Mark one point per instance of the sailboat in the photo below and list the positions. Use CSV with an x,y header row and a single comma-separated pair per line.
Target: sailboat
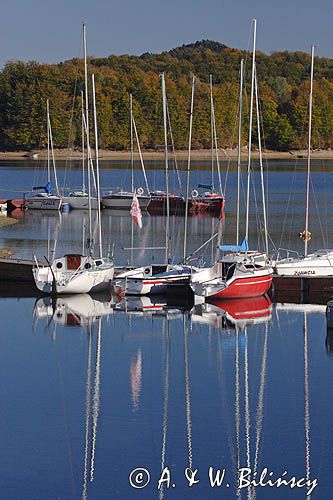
x,y
240,273
45,199
205,199
155,278
76,273
121,199
312,265
81,199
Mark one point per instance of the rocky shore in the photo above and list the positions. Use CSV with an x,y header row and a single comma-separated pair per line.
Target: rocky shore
x,y
196,155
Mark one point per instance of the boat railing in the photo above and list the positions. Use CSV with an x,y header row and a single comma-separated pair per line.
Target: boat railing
x,y
285,253
36,265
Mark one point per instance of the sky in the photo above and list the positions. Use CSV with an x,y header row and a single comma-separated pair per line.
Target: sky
x,y
50,31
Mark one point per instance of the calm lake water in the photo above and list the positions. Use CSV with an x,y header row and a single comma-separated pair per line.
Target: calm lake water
x,y
93,388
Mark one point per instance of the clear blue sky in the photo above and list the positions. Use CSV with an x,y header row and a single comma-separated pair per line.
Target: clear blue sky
x,y
49,31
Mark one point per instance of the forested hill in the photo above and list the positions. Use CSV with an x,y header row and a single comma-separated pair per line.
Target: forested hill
x,y
283,79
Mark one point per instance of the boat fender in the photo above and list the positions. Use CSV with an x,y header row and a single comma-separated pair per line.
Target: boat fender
x,y
305,236
139,190
194,193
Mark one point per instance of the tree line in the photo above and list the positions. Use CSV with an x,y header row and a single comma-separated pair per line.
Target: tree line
x,y
283,81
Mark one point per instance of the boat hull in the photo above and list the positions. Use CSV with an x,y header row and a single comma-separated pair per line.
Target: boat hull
x,y
53,203
142,281
313,266
177,205
83,280
80,202
241,288
124,202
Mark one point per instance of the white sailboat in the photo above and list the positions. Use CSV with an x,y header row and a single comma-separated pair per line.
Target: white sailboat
x,y
312,265
240,273
45,199
75,273
81,199
121,199
155,278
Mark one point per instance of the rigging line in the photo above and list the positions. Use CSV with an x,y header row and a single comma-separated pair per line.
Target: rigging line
x,y
286,218
187,396
140,154
52,156
325,243
71,135
165,401
257,214
96,401
174,151
231,144
88,408
214,139
264,203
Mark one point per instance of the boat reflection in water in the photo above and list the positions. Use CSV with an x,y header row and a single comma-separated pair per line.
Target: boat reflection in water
x,y
149,306
232,312
73,310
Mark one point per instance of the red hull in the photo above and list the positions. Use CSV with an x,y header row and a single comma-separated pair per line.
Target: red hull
x,y
251,308
246,287
177,205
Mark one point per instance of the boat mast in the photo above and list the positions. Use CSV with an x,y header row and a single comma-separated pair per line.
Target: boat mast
x,y
48,142
83,142
140,155
250,131
309,159
167,228
216,148
239,146
52,150
132,145
97,171
87,131
211,127
188,169
261,166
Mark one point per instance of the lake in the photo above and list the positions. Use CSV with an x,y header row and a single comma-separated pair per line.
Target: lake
x,y
93,388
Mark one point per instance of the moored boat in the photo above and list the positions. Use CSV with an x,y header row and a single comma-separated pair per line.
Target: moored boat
x,y
80,200
152,279
231,280
122,200
73,273
312,265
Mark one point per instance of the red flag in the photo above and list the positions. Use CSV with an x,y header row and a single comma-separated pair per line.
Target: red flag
x,y
136,210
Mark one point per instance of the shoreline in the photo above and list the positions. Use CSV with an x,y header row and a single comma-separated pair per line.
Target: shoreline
x,y
196,155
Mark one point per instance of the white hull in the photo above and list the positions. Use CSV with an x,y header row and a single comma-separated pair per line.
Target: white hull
x,y
142,281
123,201
318,265
43,203
80,202
83,279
